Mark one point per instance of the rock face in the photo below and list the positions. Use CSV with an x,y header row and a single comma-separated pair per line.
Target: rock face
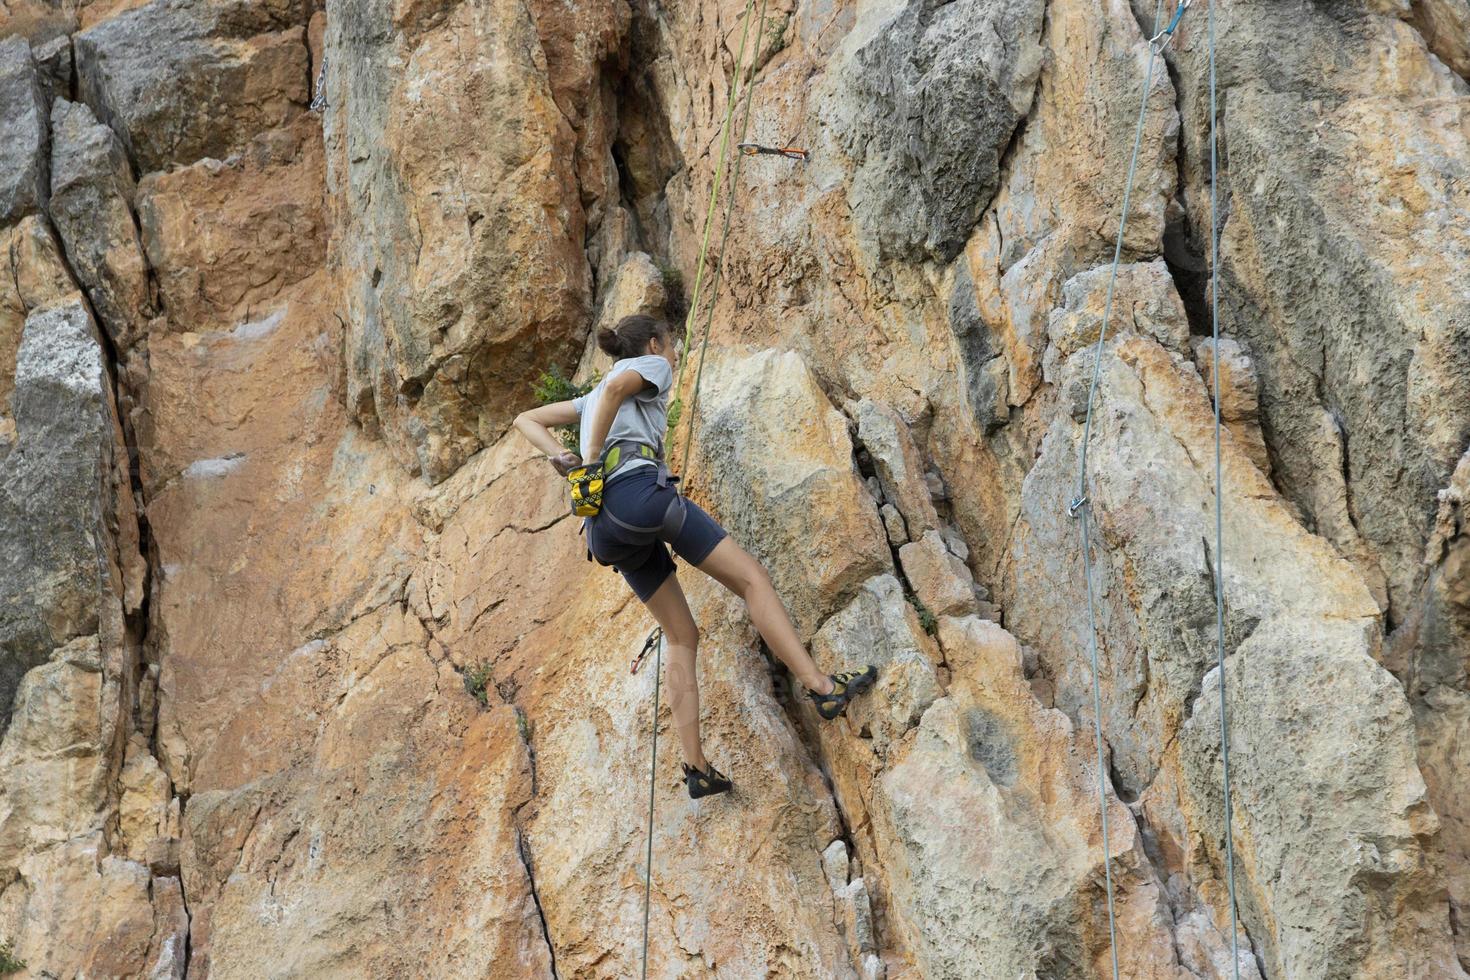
x,y
91,190
460,242
303,671
929,94
179,80
23,159
49,499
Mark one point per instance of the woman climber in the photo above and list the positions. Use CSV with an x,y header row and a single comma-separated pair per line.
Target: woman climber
x,y
623,421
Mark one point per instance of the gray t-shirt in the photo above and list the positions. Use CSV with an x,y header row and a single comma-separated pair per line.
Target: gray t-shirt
x,y
642,417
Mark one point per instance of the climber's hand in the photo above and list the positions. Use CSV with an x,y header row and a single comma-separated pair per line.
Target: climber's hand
x,y
565,463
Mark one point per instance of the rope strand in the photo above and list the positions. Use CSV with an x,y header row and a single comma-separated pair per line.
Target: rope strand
x,y
688,322
652,785
714,190
1219,506
719,274
1079,505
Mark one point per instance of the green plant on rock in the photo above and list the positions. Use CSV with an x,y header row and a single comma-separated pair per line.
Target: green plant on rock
x,y
550,387
927,619
776,38
9,962
676,302
673,281
476,679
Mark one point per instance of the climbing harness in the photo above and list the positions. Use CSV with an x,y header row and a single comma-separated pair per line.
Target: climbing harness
x,y
755,149
587,484
688,325
1078,507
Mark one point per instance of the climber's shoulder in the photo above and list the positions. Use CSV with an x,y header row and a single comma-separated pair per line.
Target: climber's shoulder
x,y
649,375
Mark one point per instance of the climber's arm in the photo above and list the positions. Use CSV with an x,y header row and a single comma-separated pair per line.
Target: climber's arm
x,y
619,389
535,426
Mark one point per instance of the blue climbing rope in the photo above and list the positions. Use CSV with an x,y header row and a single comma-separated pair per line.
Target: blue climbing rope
x,y
1078,507
1219,506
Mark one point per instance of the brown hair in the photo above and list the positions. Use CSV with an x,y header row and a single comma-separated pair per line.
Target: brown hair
x,y
631,335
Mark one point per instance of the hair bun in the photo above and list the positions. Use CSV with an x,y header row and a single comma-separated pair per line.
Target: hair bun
x,y
630,336
607,339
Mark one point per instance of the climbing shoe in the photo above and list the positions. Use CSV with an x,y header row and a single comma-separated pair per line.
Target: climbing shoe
x,y
845,686
705,783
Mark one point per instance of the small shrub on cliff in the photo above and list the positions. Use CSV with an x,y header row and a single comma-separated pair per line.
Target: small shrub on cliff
x,y
8,961
675,302
476,677
927,619
776,38
552,386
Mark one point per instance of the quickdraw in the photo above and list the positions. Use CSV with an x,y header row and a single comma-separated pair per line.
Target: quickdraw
x,y
790,152
1167,34
648,646
319,100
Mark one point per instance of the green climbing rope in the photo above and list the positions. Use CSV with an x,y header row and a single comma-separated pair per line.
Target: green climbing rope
x,y
719,273
688,322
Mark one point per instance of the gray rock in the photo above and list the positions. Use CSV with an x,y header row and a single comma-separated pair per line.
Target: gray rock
x,y
1384,345
893,524
940,580
1431,655
53,61
899,465
855,915
928,95
834,865
91,187
1445,25
986,370
1017,890
184,79
1144,302
800,505
934,481
51,493
1315,718
22,132
1240,402
955,542
1328,138
462,239
879,627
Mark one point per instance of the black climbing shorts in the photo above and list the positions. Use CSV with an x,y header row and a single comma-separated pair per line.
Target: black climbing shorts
x,y
636,498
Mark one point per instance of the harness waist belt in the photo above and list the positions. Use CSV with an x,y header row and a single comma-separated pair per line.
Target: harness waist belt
x,y
624,451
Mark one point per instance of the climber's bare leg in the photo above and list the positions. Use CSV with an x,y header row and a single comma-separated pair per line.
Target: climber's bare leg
x,y
734,568
681,642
